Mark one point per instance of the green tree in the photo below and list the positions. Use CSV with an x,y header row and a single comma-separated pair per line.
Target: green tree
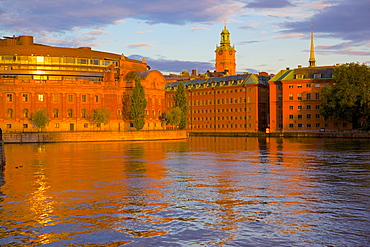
x,y
138,105
173,116
181,102
40,118
349,98
101,116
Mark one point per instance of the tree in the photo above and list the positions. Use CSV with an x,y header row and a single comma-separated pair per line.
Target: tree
x,y
181,102
40,118
138,105
173,117
101,116
349,98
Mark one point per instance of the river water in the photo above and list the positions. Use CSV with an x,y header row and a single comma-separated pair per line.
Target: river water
x,y
203,191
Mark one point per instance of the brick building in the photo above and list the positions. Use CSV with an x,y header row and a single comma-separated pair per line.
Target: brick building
x,y
71,83
229,103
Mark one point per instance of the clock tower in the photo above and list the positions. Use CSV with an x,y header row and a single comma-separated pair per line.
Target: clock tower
x,y
225,54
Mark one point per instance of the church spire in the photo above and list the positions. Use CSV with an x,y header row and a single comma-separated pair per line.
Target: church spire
x,y
312,59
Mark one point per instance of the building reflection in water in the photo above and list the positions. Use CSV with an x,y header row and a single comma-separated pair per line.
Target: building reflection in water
x,y
213,188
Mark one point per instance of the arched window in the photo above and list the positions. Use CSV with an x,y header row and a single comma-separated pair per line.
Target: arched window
x,y
84,113
9,113
55,113
70,113
25,113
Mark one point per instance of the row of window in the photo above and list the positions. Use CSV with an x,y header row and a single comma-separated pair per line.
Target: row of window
x,y
221,118
41,97
56,125
308,107
299,96
54,60
221,126
317,125
55,114
300,116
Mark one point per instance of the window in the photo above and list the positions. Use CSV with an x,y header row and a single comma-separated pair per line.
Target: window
x,y
317,85
299,107
291,116
300,76
25,97
317,95
290,96
40,97
317,107
55,97
308,116
290,86
317,115
55,113
299,86
308,125
70,113
299,96
9,113
300,125
25,126
291,125
9,97
317,76
86,125
83,113
317,125
70,98
9,126
25,113
308,96
299,116
291,107
308,107
96,98
57,125
308,85
84,98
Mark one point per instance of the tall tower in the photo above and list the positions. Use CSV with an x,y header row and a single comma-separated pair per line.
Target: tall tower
x,y
312,59
225,54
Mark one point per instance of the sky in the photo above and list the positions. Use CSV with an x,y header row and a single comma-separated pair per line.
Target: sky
x,y
177,35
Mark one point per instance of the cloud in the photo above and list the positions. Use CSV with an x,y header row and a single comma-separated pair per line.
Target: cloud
x,y
175,66
345,20
145,31
36,16
198,28
269,4
95,32
139,45
345,48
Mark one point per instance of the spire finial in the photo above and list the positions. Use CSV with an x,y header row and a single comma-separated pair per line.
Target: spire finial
x,y
312,60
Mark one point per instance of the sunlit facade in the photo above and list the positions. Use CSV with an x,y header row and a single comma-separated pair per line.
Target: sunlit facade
x,y
225,104
71,83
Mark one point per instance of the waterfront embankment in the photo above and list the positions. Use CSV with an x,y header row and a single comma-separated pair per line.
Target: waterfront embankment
x,y
331,134
2,152
49,137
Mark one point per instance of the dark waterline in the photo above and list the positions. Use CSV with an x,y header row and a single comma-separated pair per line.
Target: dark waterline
x,y
205,191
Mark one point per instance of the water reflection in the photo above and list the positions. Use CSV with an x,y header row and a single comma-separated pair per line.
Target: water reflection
x,y
203,191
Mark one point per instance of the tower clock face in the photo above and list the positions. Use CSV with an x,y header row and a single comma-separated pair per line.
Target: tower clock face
x,y
220,52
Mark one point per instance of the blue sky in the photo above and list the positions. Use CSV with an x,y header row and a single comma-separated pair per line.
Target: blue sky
x,y
268,35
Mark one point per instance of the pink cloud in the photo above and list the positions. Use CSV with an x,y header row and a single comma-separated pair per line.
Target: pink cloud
x,y
140,45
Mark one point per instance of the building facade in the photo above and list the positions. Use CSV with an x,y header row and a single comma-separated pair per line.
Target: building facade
x,y
295,98
225,104
70,83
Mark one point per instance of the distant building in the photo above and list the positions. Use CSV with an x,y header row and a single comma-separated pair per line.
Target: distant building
x,y
295,98
71,83
225,104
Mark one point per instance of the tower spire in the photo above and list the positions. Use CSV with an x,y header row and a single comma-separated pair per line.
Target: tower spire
x,y
312,60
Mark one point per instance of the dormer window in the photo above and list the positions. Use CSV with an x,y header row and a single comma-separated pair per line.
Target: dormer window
x,y
316,75
300,76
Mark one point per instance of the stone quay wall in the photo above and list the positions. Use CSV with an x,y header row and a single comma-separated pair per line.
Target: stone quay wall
x,y
2,152
49,137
